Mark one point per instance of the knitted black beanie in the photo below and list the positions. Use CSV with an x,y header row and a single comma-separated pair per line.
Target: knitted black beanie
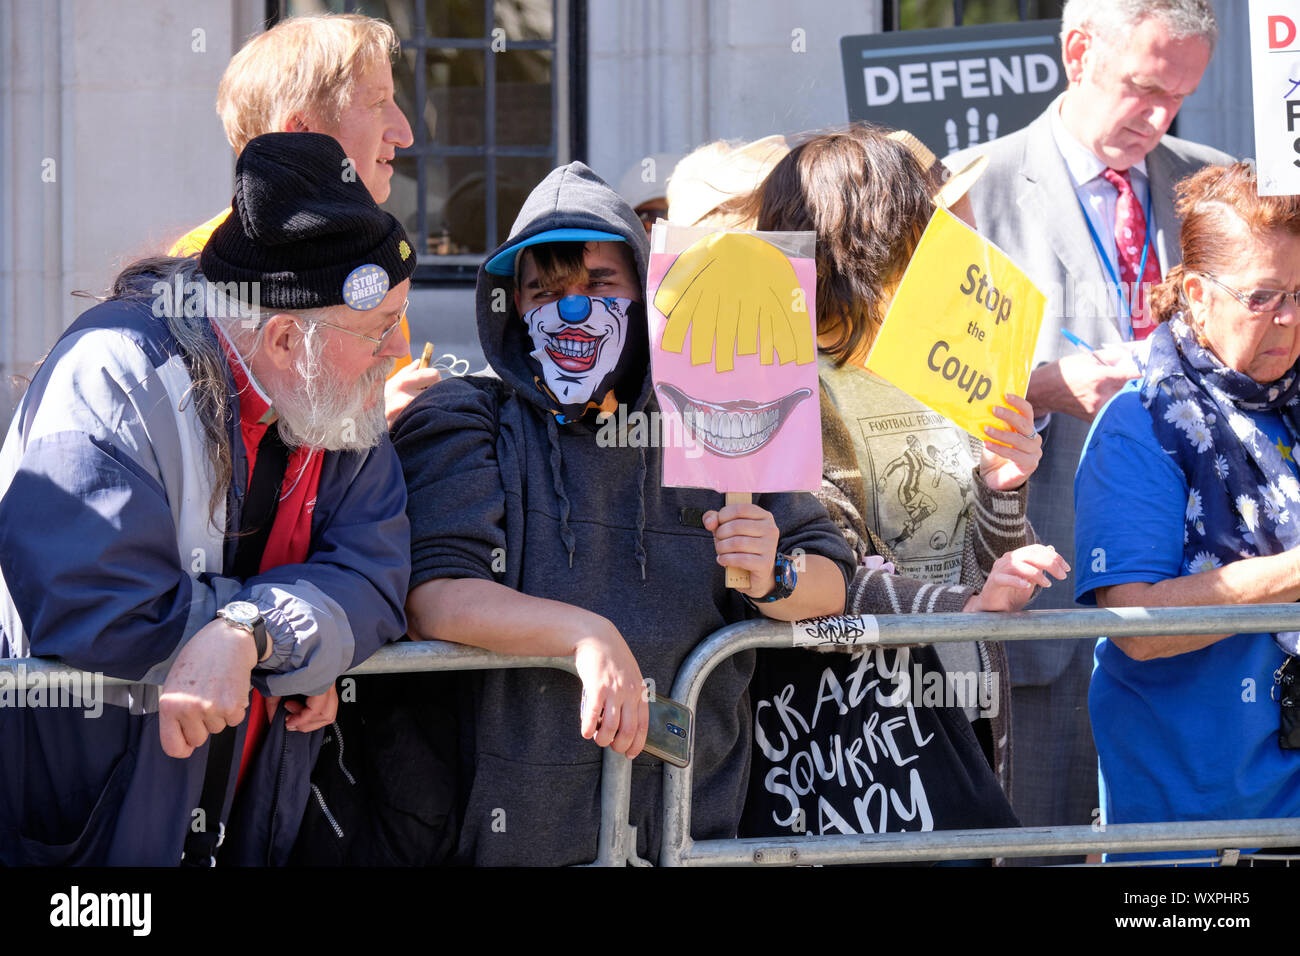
x,y
301,223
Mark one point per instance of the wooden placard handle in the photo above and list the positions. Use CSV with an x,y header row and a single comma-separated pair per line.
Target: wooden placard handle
x,y
738,578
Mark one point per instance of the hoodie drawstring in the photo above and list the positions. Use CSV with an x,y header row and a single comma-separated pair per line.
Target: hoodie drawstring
x,y
640,516
557,479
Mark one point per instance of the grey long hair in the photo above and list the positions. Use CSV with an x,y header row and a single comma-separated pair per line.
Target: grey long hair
x,y
179,295
199,350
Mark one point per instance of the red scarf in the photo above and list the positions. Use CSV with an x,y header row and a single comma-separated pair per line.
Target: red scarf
x,y
290,536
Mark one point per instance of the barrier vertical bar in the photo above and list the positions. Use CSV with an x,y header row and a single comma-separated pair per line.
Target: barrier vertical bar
x,y
616,845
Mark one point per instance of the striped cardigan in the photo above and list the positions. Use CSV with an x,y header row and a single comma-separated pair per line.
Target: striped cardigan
x,y
998,524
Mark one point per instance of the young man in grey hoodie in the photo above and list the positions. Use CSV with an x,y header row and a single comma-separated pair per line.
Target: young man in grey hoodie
x,y
530,536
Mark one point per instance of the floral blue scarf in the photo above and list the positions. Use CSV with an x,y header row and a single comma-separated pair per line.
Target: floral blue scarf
x,y
1243,496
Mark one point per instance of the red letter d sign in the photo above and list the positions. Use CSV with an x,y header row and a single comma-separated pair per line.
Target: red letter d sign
x,y
1281,32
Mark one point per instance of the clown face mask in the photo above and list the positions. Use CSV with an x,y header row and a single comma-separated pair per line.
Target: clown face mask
x,y
580,347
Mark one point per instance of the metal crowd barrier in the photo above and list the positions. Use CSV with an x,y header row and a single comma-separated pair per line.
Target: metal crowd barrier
x,y
679,849
617,839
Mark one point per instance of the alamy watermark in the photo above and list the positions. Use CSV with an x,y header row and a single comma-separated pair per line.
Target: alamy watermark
x,y
77,908
194,298
891,674
42,689
652,429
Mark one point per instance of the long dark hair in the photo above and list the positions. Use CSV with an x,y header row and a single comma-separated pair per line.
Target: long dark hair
x,y
868,200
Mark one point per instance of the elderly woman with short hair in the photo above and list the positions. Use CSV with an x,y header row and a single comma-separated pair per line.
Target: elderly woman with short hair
x,y
1187,494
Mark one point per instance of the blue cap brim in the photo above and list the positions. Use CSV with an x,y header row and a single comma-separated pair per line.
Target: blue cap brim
x,y
503,263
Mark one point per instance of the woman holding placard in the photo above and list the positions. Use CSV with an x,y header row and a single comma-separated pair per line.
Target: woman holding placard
x,y
903,483
1206,438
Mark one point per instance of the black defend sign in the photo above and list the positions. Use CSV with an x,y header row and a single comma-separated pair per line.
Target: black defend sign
x,y
955,87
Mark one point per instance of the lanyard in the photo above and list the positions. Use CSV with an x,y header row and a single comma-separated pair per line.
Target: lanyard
x,y
1125,310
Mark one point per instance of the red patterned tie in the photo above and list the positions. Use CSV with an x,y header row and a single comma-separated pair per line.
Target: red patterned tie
x,y
1130,238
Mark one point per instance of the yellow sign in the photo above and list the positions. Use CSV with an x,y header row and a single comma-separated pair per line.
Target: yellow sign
x,y
960,332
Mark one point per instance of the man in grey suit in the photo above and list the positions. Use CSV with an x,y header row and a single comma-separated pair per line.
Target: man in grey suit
x,y
1050,198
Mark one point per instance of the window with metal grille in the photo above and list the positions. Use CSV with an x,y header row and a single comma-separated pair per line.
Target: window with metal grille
x,y
493,90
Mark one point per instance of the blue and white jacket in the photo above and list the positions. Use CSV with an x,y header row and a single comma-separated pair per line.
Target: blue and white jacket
x,y
109,563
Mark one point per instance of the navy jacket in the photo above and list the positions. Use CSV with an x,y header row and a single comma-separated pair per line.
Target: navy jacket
x,y
110,561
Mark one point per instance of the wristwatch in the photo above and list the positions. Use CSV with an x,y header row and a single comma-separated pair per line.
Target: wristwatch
x,y
245,615
786,578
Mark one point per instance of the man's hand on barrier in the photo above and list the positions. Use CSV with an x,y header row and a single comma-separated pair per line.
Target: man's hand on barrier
x,y
207,688
615,708
1011,580
319,711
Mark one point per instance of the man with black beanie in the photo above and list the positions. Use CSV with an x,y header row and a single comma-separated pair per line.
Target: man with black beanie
x,y
198,492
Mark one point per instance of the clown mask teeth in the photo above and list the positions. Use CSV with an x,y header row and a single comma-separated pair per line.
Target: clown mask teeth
x,y
577,342
574,351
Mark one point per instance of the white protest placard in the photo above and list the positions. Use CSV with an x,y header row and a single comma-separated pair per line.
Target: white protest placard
x,y
1275,81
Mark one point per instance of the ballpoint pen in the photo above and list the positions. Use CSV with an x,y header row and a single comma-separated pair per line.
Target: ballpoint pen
x,y
1138,363
1080,343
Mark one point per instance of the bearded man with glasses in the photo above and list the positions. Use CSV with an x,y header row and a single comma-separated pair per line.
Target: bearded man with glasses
x,y
196,499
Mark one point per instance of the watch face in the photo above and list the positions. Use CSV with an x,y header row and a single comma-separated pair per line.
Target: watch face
x,y
788,576
242,612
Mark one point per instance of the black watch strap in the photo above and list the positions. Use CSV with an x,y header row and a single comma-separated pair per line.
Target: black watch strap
x,y
786,579
247,617
260,638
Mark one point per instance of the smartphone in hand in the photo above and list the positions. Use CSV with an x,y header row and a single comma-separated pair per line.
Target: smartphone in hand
x,y
671,734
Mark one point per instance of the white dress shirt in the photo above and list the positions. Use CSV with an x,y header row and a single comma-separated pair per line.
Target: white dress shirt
x,y
1099,199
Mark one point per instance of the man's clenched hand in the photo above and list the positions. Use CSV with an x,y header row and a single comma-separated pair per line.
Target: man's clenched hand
x,y
207,688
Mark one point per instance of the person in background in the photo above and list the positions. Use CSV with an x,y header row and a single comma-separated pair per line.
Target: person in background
x,y
330,74
946,510
1202,727
710,186
1082,200
645,187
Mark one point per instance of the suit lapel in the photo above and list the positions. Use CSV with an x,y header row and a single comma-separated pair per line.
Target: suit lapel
x,y
1047,200
1161,176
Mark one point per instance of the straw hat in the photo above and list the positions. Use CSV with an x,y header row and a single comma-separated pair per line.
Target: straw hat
x,y
956,182
717,172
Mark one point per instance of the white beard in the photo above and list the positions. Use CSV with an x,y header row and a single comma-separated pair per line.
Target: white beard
x,y
321,413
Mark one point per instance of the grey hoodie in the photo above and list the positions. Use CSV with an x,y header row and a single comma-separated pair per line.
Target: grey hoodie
x,y
499,491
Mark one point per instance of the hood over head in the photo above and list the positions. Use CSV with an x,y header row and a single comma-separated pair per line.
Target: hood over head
x,y
571,204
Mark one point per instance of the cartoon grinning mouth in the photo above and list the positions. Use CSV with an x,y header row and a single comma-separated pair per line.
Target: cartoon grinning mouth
x,y
574,351
733,429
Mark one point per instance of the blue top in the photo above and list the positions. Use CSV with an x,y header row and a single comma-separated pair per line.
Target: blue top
x,y
1189,737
